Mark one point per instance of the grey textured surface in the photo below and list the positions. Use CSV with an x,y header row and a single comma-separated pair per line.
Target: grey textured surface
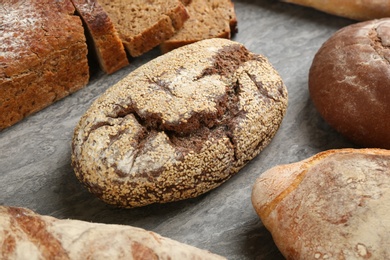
x,y
35,169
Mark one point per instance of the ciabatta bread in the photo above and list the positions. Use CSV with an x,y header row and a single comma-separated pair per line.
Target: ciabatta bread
x,y
354,9
334,205
103,36
143,25
180,125
43,56
27,235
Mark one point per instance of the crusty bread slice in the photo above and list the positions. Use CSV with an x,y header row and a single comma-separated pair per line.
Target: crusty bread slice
x,y
143,25
43,56
107,45
208,19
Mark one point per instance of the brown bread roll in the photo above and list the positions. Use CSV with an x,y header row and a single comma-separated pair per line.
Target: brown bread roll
x,y
179,125
349,82
27,235
333,205
353,9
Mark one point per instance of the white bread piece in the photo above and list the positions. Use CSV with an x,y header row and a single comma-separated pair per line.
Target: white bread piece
x,y
354,9
333,205
27,235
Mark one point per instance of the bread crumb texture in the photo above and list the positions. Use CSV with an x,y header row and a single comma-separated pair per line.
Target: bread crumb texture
x,y
332,206
179,125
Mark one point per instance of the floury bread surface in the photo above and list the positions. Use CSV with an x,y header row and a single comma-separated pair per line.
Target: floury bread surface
x,y
334,205
354,9
43,56
27,235
179,125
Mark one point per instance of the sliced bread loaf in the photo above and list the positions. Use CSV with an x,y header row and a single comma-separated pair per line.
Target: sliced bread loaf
x,y
143,25
103,36
208,19
43,56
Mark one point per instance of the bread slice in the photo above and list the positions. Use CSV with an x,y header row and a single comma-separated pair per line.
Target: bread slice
x,y
43,56
208,19
333,205
103,36
143,25
25,234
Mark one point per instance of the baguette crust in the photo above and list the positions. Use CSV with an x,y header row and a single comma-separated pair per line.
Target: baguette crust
x,y
333,205
27,235
354,9
172,132
108,47
43,56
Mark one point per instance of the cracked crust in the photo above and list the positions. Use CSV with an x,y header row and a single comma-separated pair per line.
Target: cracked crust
x,y
349,82
172,132
25,234
43,56
333,205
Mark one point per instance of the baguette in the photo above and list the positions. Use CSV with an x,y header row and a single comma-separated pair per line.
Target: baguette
x,y
25,234
360,10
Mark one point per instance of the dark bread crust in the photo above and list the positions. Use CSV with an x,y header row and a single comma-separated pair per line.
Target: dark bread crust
x,y
109,49
349,82
43,56
172,132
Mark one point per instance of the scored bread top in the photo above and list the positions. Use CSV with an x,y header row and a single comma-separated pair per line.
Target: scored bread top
x,y
333,205
208,19
171,132
143,25
107,45
43,56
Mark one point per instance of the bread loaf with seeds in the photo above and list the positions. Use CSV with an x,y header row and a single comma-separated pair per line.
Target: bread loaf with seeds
x,y
180,125
25,234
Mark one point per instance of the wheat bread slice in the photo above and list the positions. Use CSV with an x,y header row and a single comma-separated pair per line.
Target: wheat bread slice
x,y
143,25
208,19
104,38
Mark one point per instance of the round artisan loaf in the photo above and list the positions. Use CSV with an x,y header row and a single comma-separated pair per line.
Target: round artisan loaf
x,y
349,82
180,125
333,205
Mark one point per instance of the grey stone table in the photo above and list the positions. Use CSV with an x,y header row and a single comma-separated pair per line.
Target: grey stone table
x,y
35,169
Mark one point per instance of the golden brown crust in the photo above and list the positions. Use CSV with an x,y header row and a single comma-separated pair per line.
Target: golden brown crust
x,y
163,134
45,62
349,79
27,235
333,205
109,49
143,25
354,9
